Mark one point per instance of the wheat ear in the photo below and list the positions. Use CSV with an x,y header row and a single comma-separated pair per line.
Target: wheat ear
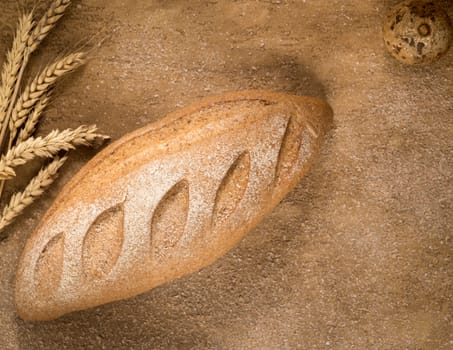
x,y
19,201
48,146
13,64
33,120
30,43
47,22
40,86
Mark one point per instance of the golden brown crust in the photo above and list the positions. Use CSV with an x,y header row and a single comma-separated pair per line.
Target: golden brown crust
x,y
168,199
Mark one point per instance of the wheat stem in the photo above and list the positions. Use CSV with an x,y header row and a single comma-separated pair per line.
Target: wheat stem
x,y
48,146
47,22
19,201
39,87
10,108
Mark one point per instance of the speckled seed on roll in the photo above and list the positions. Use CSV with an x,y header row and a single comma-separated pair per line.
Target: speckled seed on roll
x,y
417,32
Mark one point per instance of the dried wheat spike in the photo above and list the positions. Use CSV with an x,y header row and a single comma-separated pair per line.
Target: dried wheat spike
x,y
13,63
30,125
48,146
47,22
40,86
19,201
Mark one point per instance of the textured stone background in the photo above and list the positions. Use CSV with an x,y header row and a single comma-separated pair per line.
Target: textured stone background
x,y
358,256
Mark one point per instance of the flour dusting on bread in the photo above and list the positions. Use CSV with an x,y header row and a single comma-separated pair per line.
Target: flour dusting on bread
x,y
173,197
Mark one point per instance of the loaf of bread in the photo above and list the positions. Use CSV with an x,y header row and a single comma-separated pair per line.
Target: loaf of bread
x,y
167,200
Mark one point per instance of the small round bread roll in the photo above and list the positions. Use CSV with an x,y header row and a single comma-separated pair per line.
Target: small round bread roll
x,y
417,32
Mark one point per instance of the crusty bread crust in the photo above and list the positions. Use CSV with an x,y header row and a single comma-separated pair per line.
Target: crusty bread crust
x,y
168,199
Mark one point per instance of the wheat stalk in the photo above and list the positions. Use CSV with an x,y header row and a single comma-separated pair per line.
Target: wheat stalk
x,y
47,22
14,60
21,113
40,86
30,125
19,201
48,146
28,42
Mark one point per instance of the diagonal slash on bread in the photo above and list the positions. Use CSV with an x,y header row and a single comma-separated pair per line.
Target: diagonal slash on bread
x,y
168,199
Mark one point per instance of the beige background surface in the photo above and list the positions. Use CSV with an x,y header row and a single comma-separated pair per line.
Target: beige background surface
x,y
358,256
